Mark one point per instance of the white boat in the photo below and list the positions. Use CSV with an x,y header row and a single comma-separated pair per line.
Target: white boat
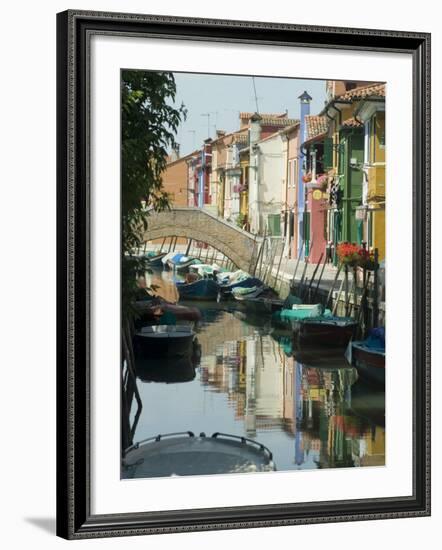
x,y
181,454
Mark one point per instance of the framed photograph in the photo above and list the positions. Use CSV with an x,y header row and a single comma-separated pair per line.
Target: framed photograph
x,y
243,274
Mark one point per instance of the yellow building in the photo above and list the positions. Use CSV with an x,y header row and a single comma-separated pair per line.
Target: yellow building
x,y
354,156
372,112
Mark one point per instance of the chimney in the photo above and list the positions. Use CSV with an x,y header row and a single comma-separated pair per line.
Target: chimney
x,y
305,99
175,153
255,129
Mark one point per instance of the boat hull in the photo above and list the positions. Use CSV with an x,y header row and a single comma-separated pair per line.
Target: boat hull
x,y
203,289
336,335
181,313
155,261
264,305
179,454
369,363
163,343
245,283
180,267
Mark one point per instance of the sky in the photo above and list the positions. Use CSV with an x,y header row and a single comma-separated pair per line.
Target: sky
x,y
223,97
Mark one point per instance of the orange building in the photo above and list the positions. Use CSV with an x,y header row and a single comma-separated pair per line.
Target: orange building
x,y
175,180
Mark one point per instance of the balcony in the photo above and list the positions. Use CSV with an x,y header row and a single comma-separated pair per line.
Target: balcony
x,y
376,183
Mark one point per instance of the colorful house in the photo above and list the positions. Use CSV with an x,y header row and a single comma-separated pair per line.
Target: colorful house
x,y
345,158
199,170
225,184
175,178
315,180
266,172
291,136
371,112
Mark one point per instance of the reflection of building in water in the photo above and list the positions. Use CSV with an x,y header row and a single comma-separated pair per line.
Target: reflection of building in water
x,y
370,450
255,375
334,436
268,390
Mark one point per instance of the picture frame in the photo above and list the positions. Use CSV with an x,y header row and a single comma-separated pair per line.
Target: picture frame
x,y
75,519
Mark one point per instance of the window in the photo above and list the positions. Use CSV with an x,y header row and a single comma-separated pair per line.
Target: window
x,y
350,86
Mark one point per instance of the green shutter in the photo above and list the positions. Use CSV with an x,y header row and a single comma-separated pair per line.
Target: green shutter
x,y
274,225
328,153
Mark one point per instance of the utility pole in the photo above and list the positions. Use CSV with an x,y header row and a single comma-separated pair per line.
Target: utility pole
x,y
208,123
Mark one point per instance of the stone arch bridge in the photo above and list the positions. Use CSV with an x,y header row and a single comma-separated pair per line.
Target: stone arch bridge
x,y
200,225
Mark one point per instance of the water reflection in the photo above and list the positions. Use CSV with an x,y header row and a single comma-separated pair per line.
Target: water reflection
x,y
310,410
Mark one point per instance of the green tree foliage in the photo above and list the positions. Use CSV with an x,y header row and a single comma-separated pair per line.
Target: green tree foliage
x,y
149,123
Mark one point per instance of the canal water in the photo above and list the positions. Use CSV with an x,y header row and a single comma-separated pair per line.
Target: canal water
x,y
244,380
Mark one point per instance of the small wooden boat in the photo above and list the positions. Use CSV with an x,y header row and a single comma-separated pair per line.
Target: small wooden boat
x,y
248,282
205,270
325,330
145,310
368,356
260,299
163,341
297,312
203,289
180,262
154,260
182,454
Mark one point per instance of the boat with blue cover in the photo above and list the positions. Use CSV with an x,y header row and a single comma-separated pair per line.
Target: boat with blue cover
x,y
202,289
181,262
368,356
237,279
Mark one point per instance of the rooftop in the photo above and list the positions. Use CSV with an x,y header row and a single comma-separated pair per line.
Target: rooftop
x,y
351,123
316,125
362,92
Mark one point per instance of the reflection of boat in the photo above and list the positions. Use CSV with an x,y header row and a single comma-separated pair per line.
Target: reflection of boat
x,y
320,357
325,330
368,403
170,370
163,341
368,356
185,454
203,289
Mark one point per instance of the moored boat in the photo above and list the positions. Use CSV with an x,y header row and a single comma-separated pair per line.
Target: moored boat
x,y
242,281
202,289
163,341
182,454
260,299
205,270
180,262
325,330
154,259
368,356
147,311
